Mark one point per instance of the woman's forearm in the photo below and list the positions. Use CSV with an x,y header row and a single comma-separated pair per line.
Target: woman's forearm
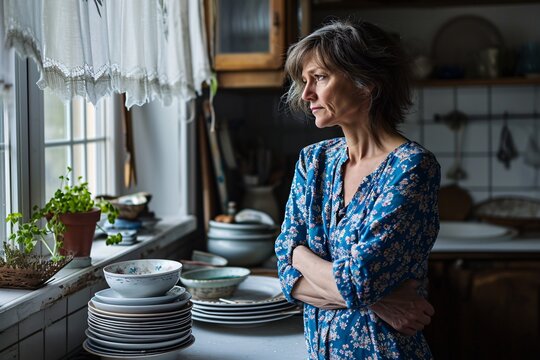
x,y
318,276
305,291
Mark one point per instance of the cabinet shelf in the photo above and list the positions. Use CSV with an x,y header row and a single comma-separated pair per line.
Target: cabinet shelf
x,y
478,82
354,4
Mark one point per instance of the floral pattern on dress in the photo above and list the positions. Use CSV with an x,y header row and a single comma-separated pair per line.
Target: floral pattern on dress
x,y
380,239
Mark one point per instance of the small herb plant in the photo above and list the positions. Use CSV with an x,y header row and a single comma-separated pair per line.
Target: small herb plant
x,y
26,235
67,199
74,199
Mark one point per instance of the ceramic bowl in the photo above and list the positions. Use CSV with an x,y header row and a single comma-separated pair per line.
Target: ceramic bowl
x,y
142,278
202,260
213,283
242,253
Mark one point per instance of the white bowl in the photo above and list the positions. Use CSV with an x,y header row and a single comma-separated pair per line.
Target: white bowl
x,y
214,283
201,259
242,228
242,253
142,278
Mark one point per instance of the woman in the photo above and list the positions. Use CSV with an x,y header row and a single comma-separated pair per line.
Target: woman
x,y
362,214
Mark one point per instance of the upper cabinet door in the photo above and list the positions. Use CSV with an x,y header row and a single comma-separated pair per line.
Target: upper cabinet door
x,y
250,35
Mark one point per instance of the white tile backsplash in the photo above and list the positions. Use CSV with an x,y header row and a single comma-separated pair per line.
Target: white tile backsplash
x,y
31,324
513,99
437,101
55,312
79,299
487,176
438,138
55,340
76,326
9,337
475,137
520,131
31,347
11,353
517,175
473,100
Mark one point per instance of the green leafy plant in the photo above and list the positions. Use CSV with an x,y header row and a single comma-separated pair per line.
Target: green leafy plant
x,y
76,198
24,236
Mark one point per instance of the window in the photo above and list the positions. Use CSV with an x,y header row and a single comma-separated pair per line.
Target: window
x,y
5,174
76,135
47,136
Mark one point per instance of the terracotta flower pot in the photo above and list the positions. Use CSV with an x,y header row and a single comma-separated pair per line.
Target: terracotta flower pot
x,y
79,235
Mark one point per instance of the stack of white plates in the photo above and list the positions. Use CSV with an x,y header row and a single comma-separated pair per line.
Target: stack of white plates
x,y
257,300
120,327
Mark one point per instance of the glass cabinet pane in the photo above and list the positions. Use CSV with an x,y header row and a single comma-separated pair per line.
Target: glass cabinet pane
x,y
243,26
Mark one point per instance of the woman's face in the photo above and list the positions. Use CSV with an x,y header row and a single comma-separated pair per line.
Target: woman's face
x,y
333,98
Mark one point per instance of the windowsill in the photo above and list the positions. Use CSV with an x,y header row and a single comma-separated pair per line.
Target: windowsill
x,y
16,305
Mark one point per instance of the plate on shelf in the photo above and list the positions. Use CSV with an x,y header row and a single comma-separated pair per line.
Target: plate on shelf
x,y
145,334
473,232
136,329
110,296
243,317
458,41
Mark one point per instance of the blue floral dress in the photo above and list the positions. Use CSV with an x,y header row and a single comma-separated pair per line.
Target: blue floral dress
x,y
380,239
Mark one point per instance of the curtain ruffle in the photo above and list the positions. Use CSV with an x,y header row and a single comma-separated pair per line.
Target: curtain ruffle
x,y
148,49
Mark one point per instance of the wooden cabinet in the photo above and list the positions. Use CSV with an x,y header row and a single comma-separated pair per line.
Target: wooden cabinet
x,y
487,307
250,35
250,38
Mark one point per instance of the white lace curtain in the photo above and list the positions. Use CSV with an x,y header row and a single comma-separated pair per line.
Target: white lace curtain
x,y
148,49
6,61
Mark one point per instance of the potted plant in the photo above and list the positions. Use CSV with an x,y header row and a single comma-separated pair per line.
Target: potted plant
x,y
72,216
19,267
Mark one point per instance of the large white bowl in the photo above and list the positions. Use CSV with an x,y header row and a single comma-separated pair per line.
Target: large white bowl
x,y
142,278
242,236
242,253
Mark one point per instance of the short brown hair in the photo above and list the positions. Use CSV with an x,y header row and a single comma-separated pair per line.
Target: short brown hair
x,y
367,55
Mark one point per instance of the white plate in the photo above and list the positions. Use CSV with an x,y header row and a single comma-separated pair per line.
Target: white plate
x,y
137,346
137,329
148,334
139,339
253,216
254,291
143,309
153,325
241,322
460,230
257,311
124,316
165,353
229,317
110,296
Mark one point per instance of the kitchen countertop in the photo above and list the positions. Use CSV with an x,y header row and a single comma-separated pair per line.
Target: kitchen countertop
x,y
283,339
516,245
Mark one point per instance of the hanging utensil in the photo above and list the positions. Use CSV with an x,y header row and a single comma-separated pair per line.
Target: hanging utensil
x,y
456,121
507,150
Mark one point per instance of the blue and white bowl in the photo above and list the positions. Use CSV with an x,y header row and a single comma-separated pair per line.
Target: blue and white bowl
x,y
142,278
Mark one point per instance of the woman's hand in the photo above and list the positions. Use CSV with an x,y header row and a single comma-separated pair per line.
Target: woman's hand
x,y
404,309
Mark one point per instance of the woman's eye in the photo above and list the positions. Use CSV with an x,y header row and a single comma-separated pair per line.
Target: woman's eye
x,y
319,77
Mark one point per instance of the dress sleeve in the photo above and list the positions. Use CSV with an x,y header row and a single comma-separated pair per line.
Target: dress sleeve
x,y
293,231
394,242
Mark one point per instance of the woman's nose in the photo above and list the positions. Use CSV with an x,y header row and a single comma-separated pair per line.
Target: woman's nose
x,y
308,93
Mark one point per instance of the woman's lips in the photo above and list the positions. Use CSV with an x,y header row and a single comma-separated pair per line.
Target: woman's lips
x,y
315,108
